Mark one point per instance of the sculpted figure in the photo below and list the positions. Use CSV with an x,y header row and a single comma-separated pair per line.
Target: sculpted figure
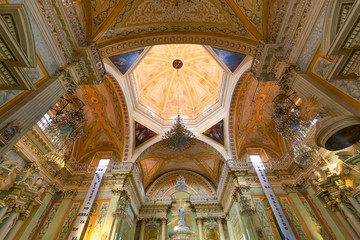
x,y
181,216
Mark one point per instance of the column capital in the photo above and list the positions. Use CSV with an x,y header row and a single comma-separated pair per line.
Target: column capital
x,y
71,194
289,187
163,219
219,220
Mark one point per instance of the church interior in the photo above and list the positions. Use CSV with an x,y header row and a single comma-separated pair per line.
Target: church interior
x,y
179,119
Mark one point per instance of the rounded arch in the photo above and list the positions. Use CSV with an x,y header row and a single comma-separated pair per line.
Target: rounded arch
x,y
126,118
201,158
244,46
232,113
164,184
137,153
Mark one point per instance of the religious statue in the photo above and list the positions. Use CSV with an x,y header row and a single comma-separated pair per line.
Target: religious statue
x,y
181,216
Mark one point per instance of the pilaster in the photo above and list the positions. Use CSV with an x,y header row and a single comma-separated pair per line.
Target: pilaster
x,y
34,217
60,214
290,188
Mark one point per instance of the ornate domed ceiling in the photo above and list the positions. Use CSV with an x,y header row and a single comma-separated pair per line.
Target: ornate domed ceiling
x,y
192,85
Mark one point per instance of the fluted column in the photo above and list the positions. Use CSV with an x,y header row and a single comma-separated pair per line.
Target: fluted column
x,y
31,109
133,228
338,231
35,215
23,216
221,228
305,86
9,222
142,229
109,218
6,205
354,222
355,204
163,229
347,225
300,208
200,228
230,228
60,214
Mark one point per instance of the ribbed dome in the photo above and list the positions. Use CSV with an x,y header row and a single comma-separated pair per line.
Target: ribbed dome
x,y
198,79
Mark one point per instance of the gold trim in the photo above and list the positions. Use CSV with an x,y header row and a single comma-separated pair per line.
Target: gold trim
x,y
349,100
248,25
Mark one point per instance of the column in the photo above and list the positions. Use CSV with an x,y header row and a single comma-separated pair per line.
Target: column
x,y
300,208
34,217
142,229
60,214
347,225
200,228
31,109
355,204
327,216
108,222
221,228
133,229
6,204
6,226
18,224
230,228
354,222
305,86
163,228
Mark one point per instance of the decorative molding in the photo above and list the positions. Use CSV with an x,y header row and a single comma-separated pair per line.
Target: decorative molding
x,y
142,42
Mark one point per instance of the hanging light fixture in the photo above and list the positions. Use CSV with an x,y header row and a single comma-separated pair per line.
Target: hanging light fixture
x,y
69,119
178,138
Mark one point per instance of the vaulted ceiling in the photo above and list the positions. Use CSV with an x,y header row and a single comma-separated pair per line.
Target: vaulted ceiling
x,y
104,129
200,80
201,158
109,21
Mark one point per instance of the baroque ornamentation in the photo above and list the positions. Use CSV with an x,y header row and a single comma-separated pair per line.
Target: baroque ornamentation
x,y
223,43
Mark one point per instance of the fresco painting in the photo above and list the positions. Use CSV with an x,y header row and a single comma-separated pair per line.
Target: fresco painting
x,y
123,62
216,132
142,134
231,59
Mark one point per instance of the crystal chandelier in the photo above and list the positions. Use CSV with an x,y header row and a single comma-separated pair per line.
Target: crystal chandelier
x,y
293,123
178,138
69,119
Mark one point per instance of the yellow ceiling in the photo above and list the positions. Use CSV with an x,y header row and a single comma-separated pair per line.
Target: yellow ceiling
x,y
193,88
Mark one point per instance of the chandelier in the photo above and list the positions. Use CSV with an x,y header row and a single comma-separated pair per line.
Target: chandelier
x,y
56,159
69,119
178,138
293,123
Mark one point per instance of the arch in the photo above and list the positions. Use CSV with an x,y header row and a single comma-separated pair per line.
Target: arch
x,y
243,46
232,113
151,142
126,119
155,186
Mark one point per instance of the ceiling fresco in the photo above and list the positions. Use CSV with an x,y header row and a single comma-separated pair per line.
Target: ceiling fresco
x,y
124,61
230,59
106,21
253,125
104,127
216,132
197,83
142,134
200,158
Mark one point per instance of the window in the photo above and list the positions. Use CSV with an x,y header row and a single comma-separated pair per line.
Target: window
x,y
44,122
103,162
